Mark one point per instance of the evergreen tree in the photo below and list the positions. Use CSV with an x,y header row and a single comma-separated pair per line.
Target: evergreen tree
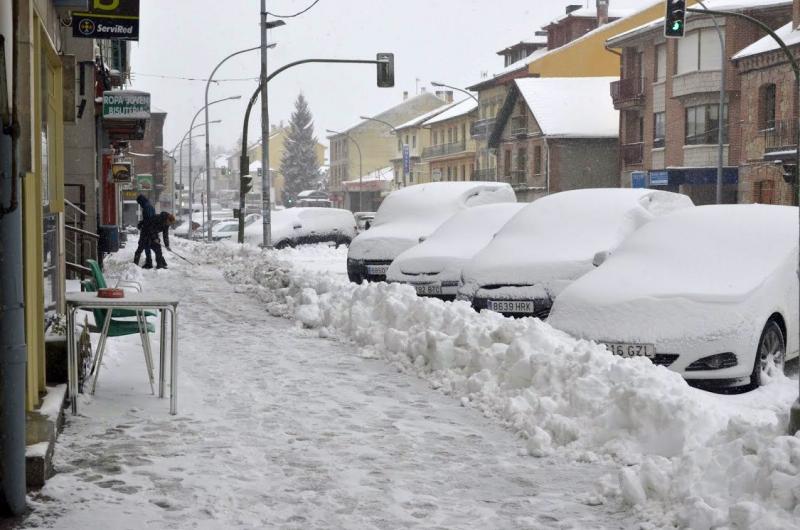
x,y
299,165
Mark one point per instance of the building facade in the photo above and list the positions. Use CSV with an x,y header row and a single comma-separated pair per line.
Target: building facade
x,y
451,154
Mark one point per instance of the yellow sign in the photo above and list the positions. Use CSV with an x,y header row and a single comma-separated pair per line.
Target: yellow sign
x,y
121,171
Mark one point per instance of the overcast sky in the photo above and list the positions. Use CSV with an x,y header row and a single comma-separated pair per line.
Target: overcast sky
x,y
452,41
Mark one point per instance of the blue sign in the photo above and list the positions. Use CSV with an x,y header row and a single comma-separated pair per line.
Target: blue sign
x,y
638,179
406,160
659,178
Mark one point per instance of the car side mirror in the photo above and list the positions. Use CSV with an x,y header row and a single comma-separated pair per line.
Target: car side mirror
x,y
297,226
600,258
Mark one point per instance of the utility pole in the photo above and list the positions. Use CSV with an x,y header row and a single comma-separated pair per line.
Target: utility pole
x,y
265,176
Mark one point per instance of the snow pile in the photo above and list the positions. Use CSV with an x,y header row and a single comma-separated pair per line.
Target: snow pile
x,y
686,456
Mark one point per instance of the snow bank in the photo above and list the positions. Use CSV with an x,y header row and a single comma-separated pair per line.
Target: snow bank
x,y
686,456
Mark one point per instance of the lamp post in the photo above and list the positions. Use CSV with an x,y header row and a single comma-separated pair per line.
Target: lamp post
x,y
360,166
404,150
467,92
266,192
179,148
191,187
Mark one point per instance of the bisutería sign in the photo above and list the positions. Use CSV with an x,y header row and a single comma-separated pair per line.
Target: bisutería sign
x,y
126,105
108,19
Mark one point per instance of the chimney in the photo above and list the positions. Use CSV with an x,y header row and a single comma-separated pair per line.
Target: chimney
x,y
445,95
573,7
602,12
405,95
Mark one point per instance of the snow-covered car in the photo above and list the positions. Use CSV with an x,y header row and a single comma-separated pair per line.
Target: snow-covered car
x,y
411,213
552,242
710,292
302,226
228,229
434,266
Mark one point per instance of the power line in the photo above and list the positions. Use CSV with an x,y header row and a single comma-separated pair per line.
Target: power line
x,y
296,14
133,74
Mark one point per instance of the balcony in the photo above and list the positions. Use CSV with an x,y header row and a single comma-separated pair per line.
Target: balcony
x,y
628,93
519,125
486,174
444,149
780,136
633,154
481,128
519,176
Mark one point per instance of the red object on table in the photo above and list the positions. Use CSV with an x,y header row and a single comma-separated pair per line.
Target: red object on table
x,y
110,292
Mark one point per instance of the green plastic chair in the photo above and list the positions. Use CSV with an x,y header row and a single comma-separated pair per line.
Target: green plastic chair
x,y
100,283
120,328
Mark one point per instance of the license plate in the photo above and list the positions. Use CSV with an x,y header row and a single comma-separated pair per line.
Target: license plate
x,y
429,289
627,349
510,306
377,270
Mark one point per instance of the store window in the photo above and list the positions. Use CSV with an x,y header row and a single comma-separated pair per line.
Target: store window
x,y
702,124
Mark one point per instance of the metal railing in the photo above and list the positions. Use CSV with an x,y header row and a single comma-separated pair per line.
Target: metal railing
x,y
628,92
485,174
519,176
481,128
519,125
633,153
80,245
444,149
780,135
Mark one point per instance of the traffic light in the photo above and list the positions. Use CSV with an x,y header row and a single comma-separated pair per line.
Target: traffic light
x,y
385,70
245,184
675,18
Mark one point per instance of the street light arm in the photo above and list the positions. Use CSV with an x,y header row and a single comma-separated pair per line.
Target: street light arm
x,y
392,127
470,94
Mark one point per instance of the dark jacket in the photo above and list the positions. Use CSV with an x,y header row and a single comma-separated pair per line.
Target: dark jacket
x,y
151,228
147,209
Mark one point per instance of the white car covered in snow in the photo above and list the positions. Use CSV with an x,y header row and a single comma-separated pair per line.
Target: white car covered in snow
x,y
299,226
434,266
553,241
711,292
412,213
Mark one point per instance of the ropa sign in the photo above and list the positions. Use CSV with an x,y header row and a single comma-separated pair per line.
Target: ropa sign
x,y
126,105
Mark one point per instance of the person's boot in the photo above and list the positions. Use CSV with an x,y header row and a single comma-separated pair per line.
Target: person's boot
x,y
148,264
136,257
161,263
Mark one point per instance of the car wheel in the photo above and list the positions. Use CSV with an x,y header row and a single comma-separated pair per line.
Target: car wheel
x,y
282,244
770,354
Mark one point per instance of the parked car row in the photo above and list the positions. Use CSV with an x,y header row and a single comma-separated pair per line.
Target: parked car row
x,y
710,292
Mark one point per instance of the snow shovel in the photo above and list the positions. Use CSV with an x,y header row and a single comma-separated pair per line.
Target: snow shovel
x,y
184,259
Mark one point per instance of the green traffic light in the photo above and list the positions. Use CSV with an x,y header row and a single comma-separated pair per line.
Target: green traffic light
x,y
676,26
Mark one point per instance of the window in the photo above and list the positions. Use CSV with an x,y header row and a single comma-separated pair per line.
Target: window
x,y
702,124
435,138
659,129
537,160
661,63
449,136
399,145
414,141
766,100
406,139
699,51
522,162
449,176
640,129
507,163
463,172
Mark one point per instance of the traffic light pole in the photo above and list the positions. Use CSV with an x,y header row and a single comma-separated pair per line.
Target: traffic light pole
x,y
794,417
244,163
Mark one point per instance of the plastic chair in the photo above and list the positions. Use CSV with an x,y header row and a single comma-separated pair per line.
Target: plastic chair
x,y
118,328
100,283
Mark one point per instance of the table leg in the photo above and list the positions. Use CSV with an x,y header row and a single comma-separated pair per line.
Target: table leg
x,y
161,354
148,356
173,368
101,346
72,374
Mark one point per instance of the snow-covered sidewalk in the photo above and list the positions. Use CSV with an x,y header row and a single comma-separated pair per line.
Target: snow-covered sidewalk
x,y
280,428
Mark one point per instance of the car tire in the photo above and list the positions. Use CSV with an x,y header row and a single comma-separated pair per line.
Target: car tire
x,y
282,244
770,353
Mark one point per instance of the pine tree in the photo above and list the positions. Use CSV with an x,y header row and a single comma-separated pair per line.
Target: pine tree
x,y
299,165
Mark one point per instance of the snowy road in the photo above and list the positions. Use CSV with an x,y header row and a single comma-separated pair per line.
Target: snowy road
x,y
279,428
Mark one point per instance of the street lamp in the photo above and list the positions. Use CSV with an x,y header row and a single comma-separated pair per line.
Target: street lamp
x,y
208,155
191,187
470,94
179,147
266,192
404,149
360,166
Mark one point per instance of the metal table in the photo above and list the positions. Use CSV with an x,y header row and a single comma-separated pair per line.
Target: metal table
x,y
136,302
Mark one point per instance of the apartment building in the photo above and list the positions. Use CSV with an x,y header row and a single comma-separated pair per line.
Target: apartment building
x,y
668,96
560,134
451,154
767,162
416,137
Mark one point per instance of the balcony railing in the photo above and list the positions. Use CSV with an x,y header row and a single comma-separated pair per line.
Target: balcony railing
x,y
485,174
518,176
628,92
519,125
633,154
780,136
481,128
444,149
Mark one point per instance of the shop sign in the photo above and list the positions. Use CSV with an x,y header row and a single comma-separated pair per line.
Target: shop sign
x,y
144,182
659,178
638,179
129,195
107,19
126,105
121,171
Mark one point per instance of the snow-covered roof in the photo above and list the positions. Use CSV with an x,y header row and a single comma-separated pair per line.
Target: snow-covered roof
x,y
423,95
789,35
716,5
571,106
384,174
591,12
460,108
419,120
538,40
